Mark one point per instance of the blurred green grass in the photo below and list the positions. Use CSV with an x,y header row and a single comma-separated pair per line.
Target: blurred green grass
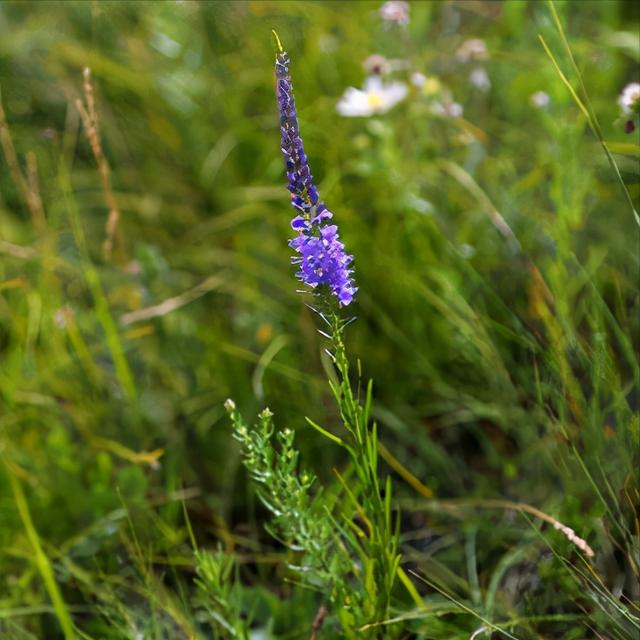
x,y
502,369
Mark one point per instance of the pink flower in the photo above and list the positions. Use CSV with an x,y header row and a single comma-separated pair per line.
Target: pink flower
x,y
473,49
629,99
395,11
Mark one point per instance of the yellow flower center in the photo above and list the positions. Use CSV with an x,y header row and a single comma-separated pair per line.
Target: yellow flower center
x,y
431,86
375,100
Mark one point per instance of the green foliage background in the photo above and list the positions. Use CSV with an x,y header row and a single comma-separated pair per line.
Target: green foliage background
x,y
504,360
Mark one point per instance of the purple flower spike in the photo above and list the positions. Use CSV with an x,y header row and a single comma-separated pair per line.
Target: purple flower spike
x,y
321,258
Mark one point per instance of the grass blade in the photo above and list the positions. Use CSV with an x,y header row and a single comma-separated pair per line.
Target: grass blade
x,y
42,561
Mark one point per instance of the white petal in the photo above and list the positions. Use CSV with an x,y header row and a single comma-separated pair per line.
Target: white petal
x,y
354,103
630,94
456,110
373,83
395,92
418,79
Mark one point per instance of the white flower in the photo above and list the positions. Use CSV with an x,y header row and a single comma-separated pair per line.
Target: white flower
x,y
629,99
479,78
395,11
418,80
428,86
376,97
447,109
540,99
474,49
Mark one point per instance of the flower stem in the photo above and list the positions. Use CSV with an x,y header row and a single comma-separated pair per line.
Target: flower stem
x,y
381,545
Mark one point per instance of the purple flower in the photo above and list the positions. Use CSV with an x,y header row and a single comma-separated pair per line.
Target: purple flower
x,y
321,258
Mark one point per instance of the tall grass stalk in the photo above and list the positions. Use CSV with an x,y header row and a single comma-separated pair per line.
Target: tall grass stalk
x,y
42,562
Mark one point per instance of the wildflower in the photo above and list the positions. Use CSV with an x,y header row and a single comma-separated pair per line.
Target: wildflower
x,y
629,99
473,49
322,260
418,80
376,97
629,102
395,11
540,99
376,65
428,86
480,79
448,109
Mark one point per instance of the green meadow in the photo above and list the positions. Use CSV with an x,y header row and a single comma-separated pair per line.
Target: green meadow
x,y
484,485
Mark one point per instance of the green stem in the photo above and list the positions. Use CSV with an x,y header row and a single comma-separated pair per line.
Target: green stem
x,y
40,558
381,546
